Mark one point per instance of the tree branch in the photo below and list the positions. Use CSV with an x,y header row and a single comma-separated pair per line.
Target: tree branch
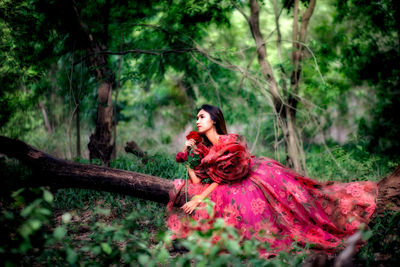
x,y
241,11
135,51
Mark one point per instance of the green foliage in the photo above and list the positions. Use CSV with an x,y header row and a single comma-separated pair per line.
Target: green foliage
x,y
221,245
371,55
384,244
348,163
25,215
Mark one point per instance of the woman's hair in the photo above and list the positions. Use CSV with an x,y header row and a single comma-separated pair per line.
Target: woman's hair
x,y
217,116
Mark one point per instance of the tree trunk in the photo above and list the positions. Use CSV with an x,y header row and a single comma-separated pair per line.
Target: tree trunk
x,y
266,68
389,193
100,141
286,117
298,38
99,144
78,131
292,142
45,118
115,122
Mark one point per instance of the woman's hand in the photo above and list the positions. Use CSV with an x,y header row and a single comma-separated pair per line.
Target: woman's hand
x,y
191,205
189,143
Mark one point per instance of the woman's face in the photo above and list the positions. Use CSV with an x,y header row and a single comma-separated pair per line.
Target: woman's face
x,y
204,121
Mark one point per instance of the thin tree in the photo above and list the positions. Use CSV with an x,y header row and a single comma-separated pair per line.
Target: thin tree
x,y
284,97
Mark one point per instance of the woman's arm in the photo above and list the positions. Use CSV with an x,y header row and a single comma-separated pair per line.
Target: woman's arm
x,y
193,176
195,201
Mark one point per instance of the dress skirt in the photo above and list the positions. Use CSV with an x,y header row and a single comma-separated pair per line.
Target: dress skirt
x,y
276,205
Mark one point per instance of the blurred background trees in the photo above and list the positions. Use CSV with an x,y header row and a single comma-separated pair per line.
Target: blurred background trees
x,y
72,72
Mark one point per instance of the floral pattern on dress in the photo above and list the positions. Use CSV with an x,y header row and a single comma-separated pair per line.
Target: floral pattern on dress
x,y
272,203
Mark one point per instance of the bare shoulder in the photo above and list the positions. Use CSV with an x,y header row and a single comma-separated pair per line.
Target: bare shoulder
x,y
232,137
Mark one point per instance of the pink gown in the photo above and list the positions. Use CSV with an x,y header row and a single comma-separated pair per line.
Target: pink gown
x,y
265,200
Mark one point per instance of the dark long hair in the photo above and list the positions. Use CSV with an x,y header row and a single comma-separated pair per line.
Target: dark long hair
x,y
217,116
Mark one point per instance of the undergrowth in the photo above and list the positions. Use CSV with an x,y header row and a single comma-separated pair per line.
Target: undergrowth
x,y
90,228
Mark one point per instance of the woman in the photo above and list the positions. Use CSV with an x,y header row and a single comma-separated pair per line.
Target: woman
x,y
263,199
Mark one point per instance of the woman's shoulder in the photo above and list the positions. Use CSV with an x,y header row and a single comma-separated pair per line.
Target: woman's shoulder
x,y
231,137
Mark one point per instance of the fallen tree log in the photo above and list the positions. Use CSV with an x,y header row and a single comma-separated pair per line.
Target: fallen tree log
x,y
51,171
389,193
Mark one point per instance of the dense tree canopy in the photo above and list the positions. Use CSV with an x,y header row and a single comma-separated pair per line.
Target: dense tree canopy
x,y
163,58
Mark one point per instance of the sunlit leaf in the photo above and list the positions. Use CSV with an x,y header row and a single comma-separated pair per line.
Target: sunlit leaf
x,y
59,232
48,196
106,248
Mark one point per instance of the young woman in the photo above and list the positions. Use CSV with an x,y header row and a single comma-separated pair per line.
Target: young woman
x,y
261,198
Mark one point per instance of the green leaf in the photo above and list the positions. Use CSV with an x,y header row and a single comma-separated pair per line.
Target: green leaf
x,y
214,251
25,231
85,248
233,247
16,193
219,223
35,224
143,259
72,256
102,211
106,248
59,232
66,217
44,211
27,210
96,250
48,196
367,235
163,255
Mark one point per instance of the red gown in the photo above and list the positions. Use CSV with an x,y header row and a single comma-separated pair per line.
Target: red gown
x,y
267,201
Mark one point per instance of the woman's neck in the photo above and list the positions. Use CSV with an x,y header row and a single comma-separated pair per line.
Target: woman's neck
x,y
213,136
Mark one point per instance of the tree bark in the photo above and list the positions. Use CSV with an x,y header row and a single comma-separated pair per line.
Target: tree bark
x,y
45,118
266,68
100,146
132,147
389,193
100,141
78,131
51,171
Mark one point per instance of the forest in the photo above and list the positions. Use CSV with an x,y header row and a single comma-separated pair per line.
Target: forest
x,y
98,96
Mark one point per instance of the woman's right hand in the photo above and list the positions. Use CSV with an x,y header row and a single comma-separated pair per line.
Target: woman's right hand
x,y
189,143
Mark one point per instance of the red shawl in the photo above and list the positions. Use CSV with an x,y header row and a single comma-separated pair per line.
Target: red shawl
x,y
226,162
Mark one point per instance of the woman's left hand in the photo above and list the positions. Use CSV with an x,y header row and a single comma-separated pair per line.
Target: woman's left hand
x,y
191,205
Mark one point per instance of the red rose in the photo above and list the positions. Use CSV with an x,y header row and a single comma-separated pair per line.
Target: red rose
x,y
181,156
194,135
